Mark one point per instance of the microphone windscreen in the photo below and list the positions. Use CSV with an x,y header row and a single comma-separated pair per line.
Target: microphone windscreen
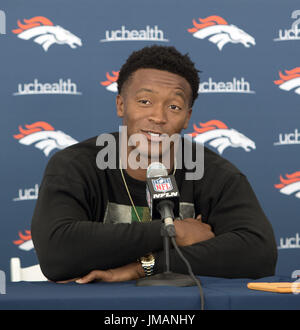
x,y
156,169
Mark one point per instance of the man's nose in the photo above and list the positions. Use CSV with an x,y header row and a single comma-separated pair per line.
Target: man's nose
x,y
158,115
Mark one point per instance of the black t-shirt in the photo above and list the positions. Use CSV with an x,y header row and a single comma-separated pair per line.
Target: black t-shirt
x,y
84,220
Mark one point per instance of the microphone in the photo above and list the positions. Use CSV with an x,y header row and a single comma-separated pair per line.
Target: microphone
x,y
163,201
162,195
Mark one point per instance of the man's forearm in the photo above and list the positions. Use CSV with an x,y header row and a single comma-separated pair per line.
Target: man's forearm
x,y
231,255
77,247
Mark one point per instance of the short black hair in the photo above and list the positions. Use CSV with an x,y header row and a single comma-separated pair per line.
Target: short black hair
x,y
166,58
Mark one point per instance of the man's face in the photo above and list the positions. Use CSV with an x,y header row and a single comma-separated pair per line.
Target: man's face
x,y
154,102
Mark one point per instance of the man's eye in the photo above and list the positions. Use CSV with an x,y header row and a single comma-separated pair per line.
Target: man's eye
x,y
174,107
144,101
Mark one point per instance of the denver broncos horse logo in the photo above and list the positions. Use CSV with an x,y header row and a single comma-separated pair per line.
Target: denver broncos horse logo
x,y
219,136
111,82
220,32
290,185
44,137
45,33
289,81
24,242
32,273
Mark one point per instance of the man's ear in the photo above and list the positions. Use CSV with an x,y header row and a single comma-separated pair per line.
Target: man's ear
x,y
187,120
120,105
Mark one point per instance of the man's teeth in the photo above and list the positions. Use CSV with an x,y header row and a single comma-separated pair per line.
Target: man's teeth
x,y
154,134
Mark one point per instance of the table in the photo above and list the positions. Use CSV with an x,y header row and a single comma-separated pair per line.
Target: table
x,y
219,294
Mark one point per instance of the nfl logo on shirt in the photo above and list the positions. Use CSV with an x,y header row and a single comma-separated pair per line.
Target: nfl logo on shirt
x,y
162,184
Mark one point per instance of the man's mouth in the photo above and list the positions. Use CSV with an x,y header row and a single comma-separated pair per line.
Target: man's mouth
x,y
153,136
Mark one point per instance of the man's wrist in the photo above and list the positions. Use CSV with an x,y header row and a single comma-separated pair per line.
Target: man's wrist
x,y
147,263
140,270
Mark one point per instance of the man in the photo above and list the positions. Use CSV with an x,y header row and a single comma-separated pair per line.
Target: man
x,y
94,224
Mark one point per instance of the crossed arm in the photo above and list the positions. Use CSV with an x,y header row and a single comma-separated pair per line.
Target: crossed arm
x,y
188,231
235,240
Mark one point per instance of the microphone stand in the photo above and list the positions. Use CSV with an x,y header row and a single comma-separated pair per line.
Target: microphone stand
x,y
167,278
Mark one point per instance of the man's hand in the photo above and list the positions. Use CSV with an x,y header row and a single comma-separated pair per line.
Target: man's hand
x,y
128,272
190,231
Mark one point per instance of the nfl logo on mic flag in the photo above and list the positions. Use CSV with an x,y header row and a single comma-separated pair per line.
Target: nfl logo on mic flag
x,y
162,184
160,188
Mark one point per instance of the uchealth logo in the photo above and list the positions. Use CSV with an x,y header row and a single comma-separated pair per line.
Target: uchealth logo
x,y
27,194
290,184
292,33
45,33
240,86
218,135
44,137
290,80
219,32
124,34
62,87
111,81
292,242
290,138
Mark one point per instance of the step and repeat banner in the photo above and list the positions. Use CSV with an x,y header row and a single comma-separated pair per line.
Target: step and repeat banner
x,y
59,66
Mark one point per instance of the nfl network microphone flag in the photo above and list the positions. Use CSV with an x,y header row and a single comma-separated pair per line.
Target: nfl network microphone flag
x,y
162,188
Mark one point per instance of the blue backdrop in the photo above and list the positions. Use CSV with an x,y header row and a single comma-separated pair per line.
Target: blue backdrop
x,y
59,64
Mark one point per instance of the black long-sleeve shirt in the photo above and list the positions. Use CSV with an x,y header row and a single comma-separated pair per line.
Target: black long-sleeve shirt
x,y
83,220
